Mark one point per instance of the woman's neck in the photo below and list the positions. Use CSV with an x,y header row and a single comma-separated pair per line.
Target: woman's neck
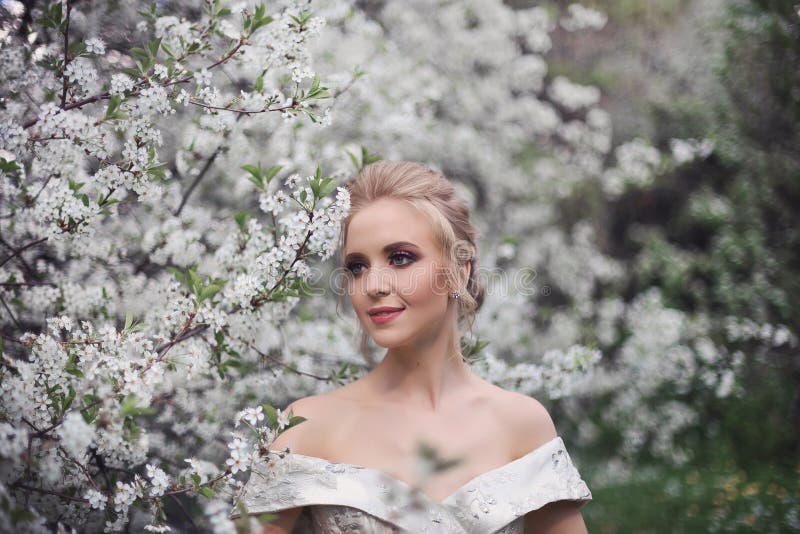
x,y
424,376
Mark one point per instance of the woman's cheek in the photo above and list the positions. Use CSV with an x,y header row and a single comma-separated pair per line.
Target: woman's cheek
x,y
414,283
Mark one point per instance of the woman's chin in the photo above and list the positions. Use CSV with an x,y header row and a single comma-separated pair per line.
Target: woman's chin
x,y
388,341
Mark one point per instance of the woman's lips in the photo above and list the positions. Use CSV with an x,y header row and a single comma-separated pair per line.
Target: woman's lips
x,y
381,318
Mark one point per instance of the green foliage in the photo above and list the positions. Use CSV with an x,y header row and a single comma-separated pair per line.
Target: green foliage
x,y
257,20
710,499
322,187
723,241
112,111
202,290
260,177
53,17
472,350
145,59
365,158
647,14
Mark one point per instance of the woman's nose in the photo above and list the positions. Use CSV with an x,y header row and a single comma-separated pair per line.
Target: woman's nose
x,y
377,282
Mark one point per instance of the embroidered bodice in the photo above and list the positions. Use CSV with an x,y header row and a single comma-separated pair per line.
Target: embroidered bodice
x,y
344,498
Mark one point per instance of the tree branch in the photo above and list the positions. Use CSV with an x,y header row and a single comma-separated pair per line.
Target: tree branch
x,y
65,83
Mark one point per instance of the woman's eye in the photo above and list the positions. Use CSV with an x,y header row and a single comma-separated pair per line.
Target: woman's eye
x,y
396,258
402,256
353,268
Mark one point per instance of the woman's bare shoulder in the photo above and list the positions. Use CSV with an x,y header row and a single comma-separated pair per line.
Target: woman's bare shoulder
x,y
528,421
306,437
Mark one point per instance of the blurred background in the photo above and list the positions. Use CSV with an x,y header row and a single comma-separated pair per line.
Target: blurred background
x,y
717,236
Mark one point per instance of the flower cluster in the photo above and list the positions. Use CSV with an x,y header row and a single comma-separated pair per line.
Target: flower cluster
x,y
162,213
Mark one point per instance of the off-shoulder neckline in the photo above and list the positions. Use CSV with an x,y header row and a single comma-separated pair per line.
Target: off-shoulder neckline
x,y
452,496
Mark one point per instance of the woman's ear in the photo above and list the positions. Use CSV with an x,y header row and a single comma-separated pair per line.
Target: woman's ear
x,y
468,271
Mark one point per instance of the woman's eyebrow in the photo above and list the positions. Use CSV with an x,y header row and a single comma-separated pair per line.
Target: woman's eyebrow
x,y
388,248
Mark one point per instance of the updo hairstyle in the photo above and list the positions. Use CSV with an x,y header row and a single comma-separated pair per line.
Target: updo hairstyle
x,y
433,196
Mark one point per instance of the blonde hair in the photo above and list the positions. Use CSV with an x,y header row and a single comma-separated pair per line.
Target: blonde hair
x,y
433,195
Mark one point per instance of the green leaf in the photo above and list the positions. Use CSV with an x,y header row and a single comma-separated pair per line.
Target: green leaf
x,y
76,49
179,276
113,104
259,19
166,48
271,172
367,158
128,407
66,400
208,292
131,71
256,174
296,420
241,218
354,160
207,492
75,186
90,414
72,366
326,187
272,415
153,47
9,166
139,54
195,278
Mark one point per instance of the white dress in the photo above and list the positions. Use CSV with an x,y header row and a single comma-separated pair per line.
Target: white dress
x,y
344,498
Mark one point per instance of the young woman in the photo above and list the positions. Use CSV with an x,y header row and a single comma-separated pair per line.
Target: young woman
x,y
409,251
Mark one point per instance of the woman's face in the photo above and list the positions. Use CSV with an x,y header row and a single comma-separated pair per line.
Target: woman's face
x,y
393,261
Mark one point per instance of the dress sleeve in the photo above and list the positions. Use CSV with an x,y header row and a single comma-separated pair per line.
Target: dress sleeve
x,y
552,477
274,485
544,475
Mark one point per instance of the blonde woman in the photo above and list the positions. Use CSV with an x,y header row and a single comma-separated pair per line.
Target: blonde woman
x,y
497,465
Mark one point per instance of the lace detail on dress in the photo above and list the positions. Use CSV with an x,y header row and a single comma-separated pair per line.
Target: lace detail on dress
x,y
343,498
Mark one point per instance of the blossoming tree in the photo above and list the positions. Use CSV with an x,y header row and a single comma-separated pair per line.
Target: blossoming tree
x,y
170,197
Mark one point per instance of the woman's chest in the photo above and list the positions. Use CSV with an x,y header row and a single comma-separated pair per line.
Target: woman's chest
x,y
436,455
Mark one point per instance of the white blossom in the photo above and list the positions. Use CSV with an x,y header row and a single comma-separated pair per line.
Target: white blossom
x,y
685,150
81,72
571,95
240,457
121,83
97,500
581,17
95,45
76,435
251,415
158,479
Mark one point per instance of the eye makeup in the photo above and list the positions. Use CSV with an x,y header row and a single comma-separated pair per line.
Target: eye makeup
x,y
403,254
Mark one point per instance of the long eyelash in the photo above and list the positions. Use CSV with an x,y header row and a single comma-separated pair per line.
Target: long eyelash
x,y
401,253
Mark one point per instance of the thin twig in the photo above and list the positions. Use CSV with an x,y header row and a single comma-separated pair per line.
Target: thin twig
x,y
19,251
65,83
293,105
201,174
19,284
183,510
28,268
11,313
49,492
287,366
